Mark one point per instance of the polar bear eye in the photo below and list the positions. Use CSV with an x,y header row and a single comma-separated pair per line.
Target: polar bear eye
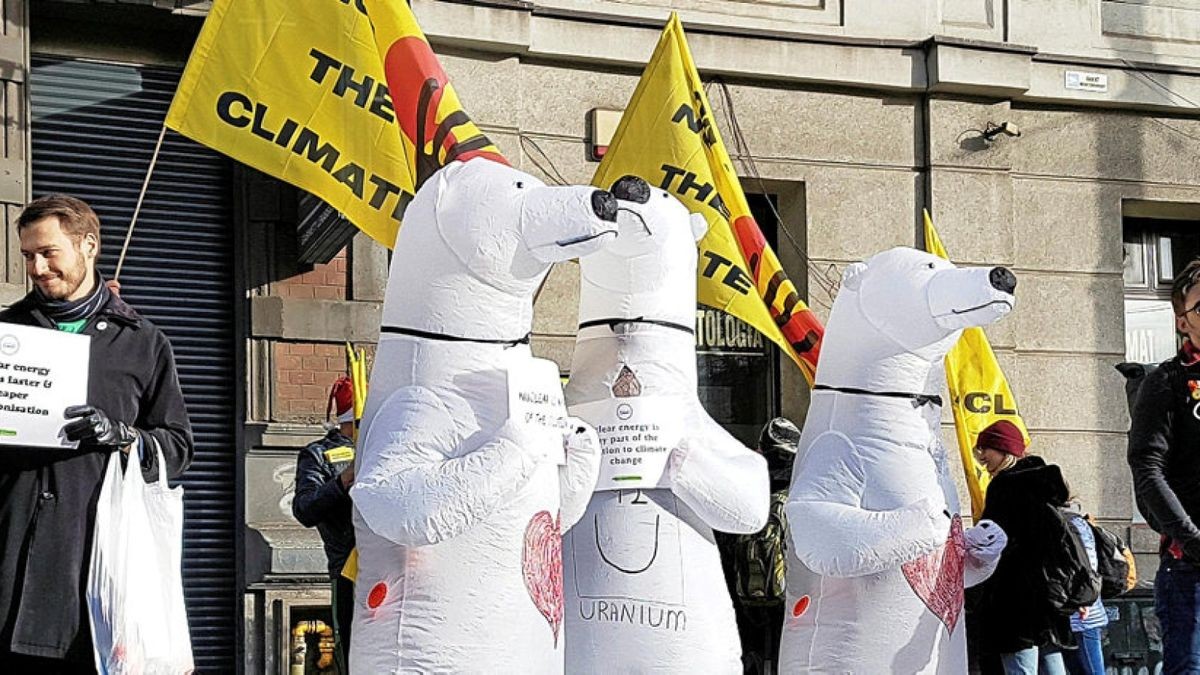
x,y
520,185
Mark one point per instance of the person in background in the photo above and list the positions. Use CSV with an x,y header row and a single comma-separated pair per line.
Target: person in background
x,y
134,412
1088,622
324,475
754,564
1164,458
1011,613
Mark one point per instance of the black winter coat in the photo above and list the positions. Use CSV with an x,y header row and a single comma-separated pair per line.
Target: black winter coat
x,y
321,501
1011,609
1164,453
48,496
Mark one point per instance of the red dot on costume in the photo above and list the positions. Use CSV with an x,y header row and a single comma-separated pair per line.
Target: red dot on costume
x,y
377,595
801,606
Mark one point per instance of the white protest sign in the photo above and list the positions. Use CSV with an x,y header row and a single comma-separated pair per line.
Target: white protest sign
x,y
535,399
42,373
637,435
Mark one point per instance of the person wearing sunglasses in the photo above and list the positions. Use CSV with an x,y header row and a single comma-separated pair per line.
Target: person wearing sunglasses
x,y
1164,456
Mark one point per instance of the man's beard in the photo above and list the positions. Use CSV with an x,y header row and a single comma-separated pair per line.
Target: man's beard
x,y
68,283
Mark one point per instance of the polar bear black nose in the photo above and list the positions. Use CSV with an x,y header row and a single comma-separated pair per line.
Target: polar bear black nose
x,y
605,205
1003,280
631,189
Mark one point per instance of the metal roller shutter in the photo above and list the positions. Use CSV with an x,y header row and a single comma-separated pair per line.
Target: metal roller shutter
x,y
94,130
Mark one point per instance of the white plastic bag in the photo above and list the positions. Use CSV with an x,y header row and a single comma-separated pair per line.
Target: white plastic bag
x,y
135,583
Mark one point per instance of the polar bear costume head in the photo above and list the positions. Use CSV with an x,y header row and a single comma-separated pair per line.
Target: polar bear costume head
x,y
478,238
477,241
899,312
650,270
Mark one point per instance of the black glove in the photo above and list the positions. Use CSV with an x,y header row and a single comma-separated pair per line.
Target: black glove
x,y
92,424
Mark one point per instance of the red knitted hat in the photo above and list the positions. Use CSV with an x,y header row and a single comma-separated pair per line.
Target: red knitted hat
x,y
1004,436
342,396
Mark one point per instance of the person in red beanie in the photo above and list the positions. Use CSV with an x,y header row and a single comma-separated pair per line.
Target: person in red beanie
x,y
999,446
324,475
1020,613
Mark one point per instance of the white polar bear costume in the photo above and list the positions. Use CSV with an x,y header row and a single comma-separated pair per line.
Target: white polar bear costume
x,y
643,582
878,558
458,509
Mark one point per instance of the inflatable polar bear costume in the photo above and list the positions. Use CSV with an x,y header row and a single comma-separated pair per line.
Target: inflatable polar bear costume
x,y
879,558
643,580
459,510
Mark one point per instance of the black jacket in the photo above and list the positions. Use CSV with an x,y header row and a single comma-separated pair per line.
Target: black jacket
x,y
1011,609
48,496
1164,453
321,501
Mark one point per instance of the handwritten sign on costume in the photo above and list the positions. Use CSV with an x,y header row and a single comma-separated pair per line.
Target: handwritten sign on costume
x,y
637,436
42,373
535,399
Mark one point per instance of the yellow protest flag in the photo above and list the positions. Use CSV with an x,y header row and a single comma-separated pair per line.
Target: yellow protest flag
x,y
979,392
299,91
667,136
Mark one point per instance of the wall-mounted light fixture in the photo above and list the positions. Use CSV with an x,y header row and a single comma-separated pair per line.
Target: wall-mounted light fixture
x,y
601,126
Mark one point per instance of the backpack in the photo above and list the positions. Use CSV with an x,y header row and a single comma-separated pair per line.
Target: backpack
x,y
1071,582
759,559
1114,561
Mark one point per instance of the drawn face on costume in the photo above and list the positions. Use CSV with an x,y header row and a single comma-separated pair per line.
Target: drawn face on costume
x,y
637,539
61,266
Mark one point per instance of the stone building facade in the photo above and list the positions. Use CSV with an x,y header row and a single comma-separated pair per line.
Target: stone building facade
x,y
856,116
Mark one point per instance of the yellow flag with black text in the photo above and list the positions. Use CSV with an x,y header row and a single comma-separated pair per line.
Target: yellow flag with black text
x,y
306,91
979,392
667,136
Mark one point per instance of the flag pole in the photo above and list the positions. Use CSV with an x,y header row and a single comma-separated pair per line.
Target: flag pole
x,y
138,208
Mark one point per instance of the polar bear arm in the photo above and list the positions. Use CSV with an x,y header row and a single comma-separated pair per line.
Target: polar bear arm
x,y
985,543
411,490
721,480
577,478
830,531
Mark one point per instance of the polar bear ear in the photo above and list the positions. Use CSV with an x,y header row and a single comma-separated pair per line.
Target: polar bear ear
x,y
853,276
699,225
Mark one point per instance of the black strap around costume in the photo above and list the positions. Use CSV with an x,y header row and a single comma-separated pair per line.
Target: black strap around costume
x,y
654,322
413,332
917,399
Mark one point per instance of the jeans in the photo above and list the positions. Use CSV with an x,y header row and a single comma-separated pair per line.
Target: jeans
x,y
1089,658
1176,602
1027,662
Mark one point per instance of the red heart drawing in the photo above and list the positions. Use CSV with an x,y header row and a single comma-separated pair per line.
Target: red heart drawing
x,y
542,564
937,577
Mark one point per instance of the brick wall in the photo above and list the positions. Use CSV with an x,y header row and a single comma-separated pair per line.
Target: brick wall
x,y
323,282
305,371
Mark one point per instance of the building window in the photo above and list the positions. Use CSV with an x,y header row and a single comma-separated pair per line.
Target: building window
x,y
738,368
1155,250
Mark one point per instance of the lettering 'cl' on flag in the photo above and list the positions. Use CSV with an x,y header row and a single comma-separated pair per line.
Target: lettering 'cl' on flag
x,y
309,93
979,392
667,136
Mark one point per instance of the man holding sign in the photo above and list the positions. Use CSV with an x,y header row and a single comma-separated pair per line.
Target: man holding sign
x,y
129,400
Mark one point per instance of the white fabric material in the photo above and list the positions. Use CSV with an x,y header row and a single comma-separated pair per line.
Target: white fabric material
x,y
643,581
878,560
458,511
135,577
